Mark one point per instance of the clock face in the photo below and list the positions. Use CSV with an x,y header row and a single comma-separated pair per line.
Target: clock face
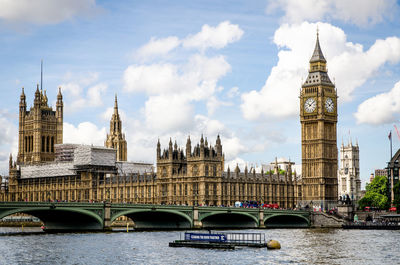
x,y
329,105
310,105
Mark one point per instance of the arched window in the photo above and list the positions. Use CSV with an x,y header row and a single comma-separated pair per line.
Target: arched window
x,y
43,141
52,144
47,144
214,171
206,170
195,171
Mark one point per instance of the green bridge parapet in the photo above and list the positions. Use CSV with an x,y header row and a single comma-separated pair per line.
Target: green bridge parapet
x,y
99,216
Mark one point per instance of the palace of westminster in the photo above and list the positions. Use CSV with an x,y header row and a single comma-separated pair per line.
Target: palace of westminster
x,y
46,169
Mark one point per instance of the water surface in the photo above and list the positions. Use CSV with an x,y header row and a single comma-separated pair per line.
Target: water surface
x,y
299,246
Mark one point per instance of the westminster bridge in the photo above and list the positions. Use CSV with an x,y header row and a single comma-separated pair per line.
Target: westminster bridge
x,y
99,216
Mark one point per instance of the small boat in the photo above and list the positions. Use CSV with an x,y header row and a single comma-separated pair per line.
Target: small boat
x,y
221,240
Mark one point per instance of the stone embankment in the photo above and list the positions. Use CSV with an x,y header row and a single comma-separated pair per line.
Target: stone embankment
x,y
324,220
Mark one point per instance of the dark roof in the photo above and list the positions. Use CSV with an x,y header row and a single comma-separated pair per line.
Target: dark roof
x,y
395,158
315,78
317,54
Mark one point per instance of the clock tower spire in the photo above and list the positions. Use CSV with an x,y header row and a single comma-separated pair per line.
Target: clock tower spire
x,y
318,118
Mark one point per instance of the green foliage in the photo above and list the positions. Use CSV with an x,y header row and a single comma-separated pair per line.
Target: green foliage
x,y
374,200
378,185
396,191
281,172
376,194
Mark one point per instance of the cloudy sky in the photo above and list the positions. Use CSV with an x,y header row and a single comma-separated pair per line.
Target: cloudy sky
x,y
192,67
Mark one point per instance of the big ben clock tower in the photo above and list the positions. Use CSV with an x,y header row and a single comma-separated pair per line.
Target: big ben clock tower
x,y
318,118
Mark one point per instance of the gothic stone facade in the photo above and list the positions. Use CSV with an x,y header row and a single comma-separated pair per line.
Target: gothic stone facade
x,y
349,173
93,174
40,128
116,139
197,177
318,118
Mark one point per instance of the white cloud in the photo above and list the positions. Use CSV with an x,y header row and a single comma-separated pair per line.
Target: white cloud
x,y
209,37
380,109
214,103
157,48
8,139
45,11
279,96
358,12
83,92
210,127
233,92
173,88
214,37
7,128
167,113
233,147
237,161
175,91
84,133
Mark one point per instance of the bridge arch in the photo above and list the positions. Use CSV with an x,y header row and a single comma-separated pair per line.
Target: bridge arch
x,y
156,219
229,220
286,220
61,218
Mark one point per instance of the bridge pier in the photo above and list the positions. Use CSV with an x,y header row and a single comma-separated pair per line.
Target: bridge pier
x,y
107,216
261,218
196,223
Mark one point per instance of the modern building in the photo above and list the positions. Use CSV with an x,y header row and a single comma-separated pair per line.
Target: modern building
x,y
381,172
349,172
318,118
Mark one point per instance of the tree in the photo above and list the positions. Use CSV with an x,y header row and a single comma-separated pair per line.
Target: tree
x,y
376,194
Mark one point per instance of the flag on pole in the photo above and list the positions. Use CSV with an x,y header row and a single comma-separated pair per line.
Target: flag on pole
x,y
390,135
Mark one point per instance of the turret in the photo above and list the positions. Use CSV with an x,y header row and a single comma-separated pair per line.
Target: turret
x,y
276,167
37,99
289,172
44,99
188,147
60,116
201,146
22,104
158,149
59,105
317,61
237,169
218,146
170,150
10,162
116,139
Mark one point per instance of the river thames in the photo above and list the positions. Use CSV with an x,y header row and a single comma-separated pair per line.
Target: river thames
x,y
299,246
